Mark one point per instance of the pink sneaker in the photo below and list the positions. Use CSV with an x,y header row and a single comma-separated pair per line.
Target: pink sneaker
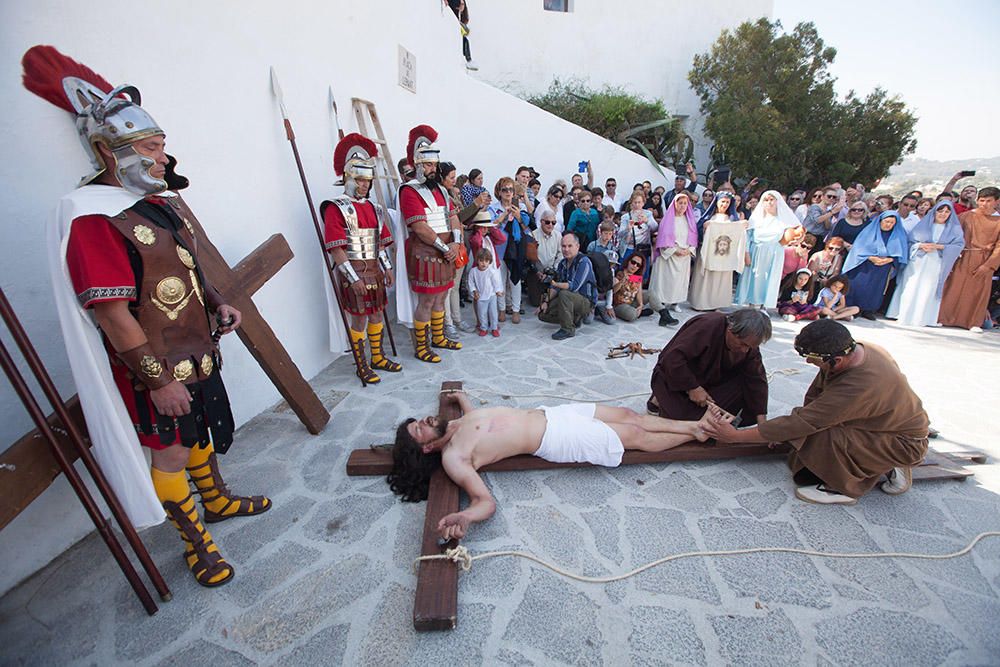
x,y
482,332
496,333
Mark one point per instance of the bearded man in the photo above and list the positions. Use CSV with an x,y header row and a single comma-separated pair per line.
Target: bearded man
x,y
434,237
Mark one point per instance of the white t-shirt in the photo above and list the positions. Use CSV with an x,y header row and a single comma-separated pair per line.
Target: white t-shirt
x,y
487,282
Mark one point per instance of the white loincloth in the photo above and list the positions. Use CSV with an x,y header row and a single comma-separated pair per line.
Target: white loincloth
x,y
572,435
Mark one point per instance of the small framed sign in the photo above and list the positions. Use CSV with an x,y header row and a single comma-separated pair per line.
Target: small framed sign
x,y
407,70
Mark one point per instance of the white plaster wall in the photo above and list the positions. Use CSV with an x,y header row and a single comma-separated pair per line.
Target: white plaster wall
x,y
646,46
203,70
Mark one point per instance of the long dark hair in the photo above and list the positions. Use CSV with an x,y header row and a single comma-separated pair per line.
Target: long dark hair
x,y
410,477
810,287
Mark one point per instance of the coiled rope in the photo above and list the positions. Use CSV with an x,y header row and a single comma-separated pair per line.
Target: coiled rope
x,y
462,557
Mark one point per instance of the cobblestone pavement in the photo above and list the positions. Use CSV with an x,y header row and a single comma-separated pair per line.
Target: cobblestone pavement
x,y
326,578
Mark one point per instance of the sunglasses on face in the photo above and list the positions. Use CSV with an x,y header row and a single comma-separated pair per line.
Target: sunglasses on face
x,y
830,196
506,189
635,262
548,222
585,201
835,248
857,210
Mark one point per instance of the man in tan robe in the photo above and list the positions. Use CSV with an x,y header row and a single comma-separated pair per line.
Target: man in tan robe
x,y
859,420
967,291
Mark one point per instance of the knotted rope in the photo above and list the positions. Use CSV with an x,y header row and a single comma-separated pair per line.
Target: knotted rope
x,y
462,557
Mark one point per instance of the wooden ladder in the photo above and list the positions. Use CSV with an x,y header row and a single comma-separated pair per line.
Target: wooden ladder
x,y
385,169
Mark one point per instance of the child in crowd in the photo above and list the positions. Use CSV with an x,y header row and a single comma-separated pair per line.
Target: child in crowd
x,y
832,300
607,245
796,296
605,242
484,283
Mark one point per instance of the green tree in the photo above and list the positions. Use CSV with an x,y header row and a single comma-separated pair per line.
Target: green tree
x,y
616,115
770,106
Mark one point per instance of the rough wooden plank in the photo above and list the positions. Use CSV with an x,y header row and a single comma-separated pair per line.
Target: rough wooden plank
x,y
260,265
925,473
378,461
435,605
256,333
27,467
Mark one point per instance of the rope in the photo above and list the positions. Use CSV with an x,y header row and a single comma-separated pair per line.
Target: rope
x,y
461,556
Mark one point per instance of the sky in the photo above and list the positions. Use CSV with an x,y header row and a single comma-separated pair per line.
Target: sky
x,y
941,58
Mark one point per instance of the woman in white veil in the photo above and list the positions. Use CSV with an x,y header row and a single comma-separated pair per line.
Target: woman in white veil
x,y
771,226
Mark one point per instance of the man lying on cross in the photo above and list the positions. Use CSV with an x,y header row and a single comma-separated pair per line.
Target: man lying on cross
x,y
578,432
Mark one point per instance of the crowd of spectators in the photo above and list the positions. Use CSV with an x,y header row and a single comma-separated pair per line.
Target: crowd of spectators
x,y
575,252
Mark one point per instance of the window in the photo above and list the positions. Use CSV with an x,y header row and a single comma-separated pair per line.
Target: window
x,y
556,5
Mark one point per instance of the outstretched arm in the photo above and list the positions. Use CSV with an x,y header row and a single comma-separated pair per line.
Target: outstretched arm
x,y
462,399
481,503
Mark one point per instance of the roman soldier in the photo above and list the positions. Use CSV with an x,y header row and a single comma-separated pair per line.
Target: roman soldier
x,y
129,289
434,236
358,236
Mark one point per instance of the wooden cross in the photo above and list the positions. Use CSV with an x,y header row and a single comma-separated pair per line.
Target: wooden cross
x,y
27,468
237,285
436,601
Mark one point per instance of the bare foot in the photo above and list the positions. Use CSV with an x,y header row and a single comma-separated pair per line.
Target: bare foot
x,y
698,429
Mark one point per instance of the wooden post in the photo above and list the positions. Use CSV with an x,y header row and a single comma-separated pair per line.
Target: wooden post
x,y
435,606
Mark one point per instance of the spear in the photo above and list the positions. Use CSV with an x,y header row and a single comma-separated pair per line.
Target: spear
x,y
336,118
340,133
290,135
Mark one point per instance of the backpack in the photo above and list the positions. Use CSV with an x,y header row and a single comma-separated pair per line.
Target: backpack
x,y
602,271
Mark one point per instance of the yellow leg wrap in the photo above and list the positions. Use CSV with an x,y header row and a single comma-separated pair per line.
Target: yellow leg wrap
x,y
365,372
201,554
379,360
423,351
216,499
438,338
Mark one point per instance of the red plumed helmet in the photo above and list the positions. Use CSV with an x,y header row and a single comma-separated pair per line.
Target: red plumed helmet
x,y
420,148
353,146
44,71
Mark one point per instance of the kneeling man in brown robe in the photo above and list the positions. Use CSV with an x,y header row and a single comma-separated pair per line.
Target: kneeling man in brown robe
x,y
714,359
860,420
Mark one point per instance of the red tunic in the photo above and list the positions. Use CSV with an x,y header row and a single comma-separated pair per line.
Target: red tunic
x,y
425,268
369,271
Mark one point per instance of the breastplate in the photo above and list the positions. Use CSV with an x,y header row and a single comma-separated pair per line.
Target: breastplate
x,y
171,302
437,215
362,243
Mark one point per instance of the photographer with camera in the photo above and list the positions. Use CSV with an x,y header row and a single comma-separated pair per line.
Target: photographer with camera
x,y
573,292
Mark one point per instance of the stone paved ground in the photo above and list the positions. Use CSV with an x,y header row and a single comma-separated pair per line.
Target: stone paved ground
x,y
326,578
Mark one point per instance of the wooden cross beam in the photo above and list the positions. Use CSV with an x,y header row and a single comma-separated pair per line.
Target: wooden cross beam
x,y
27,467
237,285
435,606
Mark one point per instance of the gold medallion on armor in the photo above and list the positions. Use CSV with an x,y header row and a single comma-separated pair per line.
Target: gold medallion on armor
x,y
183,370
171,290
144,234
190,228
186,259
206,365
150,366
